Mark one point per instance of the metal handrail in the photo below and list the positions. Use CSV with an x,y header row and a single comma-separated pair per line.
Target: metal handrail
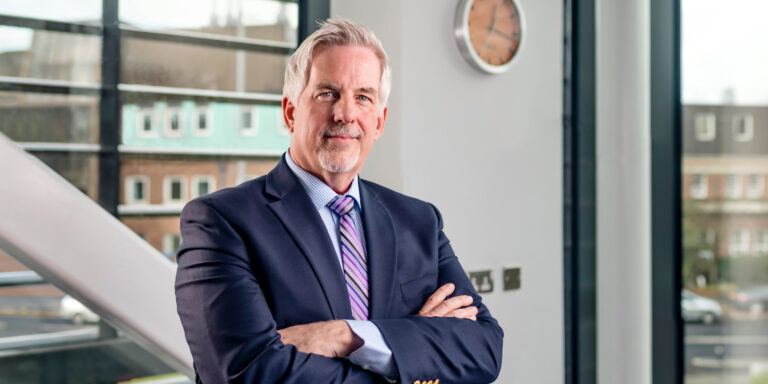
x,y
69,240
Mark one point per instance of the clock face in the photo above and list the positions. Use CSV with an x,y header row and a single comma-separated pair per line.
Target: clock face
x,y
491,32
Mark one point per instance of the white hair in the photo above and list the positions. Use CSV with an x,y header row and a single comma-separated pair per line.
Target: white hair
x,y
330,34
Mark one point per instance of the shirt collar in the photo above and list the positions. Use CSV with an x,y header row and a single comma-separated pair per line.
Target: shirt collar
x,y
319,192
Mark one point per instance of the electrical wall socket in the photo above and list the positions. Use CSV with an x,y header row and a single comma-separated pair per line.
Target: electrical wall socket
x,y
482,280
511,278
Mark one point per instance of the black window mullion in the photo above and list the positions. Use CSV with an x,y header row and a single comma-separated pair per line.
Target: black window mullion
x,y
310,12
666,195
579,194
109,109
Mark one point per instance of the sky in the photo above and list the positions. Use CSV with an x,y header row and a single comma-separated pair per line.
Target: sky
x,y
150,14
724,43
725,52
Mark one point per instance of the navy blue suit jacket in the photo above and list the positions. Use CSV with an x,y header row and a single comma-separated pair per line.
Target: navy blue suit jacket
x,y
257,258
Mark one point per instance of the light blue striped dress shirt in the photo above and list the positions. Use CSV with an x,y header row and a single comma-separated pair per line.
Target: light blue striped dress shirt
x,y
374,355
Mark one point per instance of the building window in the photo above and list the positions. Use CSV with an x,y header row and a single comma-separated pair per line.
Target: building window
x,y
733,186
743,127
249,120
281,127
761,241
174,122
755,186
698,187
738,244
705,125
203,185
174,189
203,125
146,123
136,190
171,244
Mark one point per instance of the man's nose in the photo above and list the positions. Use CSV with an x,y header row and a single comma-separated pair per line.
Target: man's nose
x,y
344,111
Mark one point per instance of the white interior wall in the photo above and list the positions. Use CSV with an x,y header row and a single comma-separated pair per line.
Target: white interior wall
x,y
484,149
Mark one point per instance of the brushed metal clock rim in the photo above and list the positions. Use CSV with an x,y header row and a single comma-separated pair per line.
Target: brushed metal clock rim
x,y
461,33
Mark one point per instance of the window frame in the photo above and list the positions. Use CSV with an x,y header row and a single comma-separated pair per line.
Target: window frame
x,y
749,127
167,131
253,130
141,116
196,179
705,126
130,182
167,189
206,110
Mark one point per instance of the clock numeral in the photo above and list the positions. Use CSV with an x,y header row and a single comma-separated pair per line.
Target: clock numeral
x,y
512,51
513,15
490,61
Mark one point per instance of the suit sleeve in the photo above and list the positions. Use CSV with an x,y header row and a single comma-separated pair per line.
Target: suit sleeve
x,y
227,322
449,349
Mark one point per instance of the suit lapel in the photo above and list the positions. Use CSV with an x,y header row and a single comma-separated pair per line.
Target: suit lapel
x,y
382,252
296,211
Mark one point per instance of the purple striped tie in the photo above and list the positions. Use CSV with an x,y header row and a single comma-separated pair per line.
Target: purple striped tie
x,y
353,256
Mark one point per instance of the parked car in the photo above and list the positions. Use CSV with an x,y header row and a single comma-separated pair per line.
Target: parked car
x,y
700,309
753,299
75,311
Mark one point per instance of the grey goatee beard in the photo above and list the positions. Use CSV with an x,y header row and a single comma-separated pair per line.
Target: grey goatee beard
x,y
333,157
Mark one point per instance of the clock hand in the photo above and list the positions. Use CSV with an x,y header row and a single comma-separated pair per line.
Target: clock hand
x,y
504,35
490,29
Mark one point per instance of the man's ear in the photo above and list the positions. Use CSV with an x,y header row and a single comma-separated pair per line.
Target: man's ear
x,y
288,110
380,124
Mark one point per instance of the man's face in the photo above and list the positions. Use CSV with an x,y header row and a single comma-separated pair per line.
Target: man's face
x,y
337,116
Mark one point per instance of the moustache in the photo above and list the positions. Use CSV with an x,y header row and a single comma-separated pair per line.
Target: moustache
x,y
342,130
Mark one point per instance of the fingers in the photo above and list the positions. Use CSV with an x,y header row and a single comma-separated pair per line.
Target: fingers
x,y
450,305
436,299
464,313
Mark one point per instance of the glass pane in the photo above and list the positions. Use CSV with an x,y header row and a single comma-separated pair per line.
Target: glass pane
x,y
156,218
38,117
82,11
47,336
259,19
725,164
50,55
207,126
188,66
80,169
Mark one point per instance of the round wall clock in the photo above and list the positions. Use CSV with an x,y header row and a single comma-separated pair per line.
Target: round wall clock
x,y
489,33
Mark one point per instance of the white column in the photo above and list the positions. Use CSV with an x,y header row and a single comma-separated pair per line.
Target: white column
x,y
623,192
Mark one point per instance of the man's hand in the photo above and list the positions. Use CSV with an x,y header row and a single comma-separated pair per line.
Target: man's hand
x,y
331,338
438,306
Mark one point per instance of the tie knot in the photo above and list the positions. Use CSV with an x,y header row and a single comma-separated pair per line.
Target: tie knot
x,y
342,204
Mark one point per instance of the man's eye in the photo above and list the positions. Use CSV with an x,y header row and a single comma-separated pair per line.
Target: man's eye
x,y
364,98
326,94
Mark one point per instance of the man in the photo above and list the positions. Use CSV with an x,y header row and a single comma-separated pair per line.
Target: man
x,y
311,275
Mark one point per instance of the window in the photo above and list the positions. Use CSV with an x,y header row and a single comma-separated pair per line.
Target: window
x,y
203,185
705,125
755,186
174,190
249,120
761,241
145,123
137,190
174,122
743,127
171,244
733,186
698,187
203,125
738,244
